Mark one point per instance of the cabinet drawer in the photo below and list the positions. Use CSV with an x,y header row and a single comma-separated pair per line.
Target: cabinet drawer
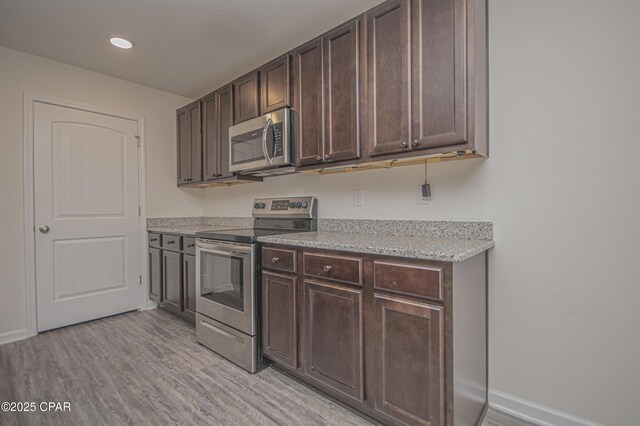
x,y
172,242
154,240
410,279
336,268
189,245
279,259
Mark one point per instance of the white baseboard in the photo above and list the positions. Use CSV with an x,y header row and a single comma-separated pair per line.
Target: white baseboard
x,y
532,412
13,336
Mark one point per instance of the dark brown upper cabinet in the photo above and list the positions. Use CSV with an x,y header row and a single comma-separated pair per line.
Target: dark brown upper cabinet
x,y
217,113
189,143
210,149
426,67
328,96
308,103
341,68
246,97
275,85
388,77
439,72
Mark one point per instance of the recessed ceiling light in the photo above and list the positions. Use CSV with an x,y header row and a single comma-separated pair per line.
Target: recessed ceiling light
x,y
120,42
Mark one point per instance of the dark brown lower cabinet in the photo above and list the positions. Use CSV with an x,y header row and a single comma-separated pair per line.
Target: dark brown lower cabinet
x,y
333,337
279,327
171,281
189,286
172,274
405,345
409,360
155,274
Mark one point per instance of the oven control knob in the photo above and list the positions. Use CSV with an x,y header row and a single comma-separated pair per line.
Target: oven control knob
x,y
292,205
305,204
261,206
298,204
256,206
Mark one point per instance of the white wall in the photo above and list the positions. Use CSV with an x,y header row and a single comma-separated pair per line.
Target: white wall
x,y
562,188
20,72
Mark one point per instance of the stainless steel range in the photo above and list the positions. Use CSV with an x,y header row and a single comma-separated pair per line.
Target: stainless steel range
x,y
228,278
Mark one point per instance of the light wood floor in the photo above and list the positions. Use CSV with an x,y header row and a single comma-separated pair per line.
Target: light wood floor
x,y
146,368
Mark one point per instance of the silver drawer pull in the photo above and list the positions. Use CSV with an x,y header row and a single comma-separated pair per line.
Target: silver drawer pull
x,y
221,331
275,259
327,268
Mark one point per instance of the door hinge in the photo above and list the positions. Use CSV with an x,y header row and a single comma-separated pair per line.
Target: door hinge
x,y
138,139
140,276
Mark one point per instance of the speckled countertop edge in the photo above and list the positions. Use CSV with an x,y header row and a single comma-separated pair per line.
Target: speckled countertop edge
x,y
416,247
189,226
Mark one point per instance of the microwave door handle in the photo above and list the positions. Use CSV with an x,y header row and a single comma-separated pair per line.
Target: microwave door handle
x,y
264,140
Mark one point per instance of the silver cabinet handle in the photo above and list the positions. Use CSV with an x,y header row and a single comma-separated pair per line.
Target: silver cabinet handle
x,y
404,144
274,259
415,142
318,157
44,229
327,268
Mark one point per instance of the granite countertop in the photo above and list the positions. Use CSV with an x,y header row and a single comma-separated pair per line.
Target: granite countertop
x,y
412,246
188,230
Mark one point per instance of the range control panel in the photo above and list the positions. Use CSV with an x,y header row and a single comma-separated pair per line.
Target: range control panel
x,y
285,207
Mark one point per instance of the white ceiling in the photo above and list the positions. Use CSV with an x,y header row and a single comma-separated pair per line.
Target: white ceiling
x,y
187,47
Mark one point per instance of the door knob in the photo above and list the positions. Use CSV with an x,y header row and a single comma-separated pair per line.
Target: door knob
x,y
44,229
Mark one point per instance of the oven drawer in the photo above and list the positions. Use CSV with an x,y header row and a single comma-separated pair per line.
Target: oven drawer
x,y
189,245
337,268
279,259
412,279
172,242
237,347
154,240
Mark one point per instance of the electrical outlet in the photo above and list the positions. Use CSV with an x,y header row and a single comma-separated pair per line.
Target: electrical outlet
x,y
358,198
422,200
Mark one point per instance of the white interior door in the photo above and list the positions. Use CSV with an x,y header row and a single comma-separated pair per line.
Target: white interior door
x,y
87,235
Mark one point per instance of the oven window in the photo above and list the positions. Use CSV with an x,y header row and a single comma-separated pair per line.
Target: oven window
x,y
222,279
247,148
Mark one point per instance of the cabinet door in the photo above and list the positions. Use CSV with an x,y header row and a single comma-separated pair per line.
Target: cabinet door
x,y
224,120
342,92
308,103
246,97
439,96
189,286
408,352
333,337
172,281
275,85
388,77
209,137
195,142
182,124
279,330
155,274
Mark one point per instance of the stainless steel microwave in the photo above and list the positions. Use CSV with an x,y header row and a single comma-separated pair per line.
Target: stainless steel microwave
x,y
262,146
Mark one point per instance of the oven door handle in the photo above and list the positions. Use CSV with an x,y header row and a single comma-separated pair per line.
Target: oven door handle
x,y
226,252
264,140
223,249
